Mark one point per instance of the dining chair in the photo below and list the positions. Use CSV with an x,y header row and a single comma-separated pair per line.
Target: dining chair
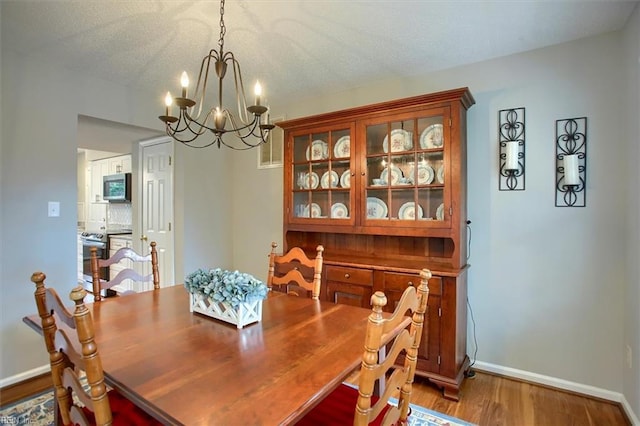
x,y
125,255
294,273
360,406
73,353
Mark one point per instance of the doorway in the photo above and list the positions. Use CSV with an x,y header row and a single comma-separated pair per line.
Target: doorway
x,y
106,147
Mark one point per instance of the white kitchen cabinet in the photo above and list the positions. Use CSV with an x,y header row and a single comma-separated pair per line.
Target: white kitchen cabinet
x,y
99,168
120,164
97,217
115,244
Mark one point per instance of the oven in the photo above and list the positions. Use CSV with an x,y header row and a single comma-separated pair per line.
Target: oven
x,y
89,240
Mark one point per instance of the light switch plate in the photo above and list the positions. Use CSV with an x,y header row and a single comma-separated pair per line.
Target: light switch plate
x,y
54,208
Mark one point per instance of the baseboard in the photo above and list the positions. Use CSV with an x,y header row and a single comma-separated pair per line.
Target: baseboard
x,y
560,384
26,375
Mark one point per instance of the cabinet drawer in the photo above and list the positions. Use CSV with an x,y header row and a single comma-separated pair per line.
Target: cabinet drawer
x,y
350,275
398,282
117,243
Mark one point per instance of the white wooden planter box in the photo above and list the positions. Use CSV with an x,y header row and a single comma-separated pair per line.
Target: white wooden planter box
x,y
244,314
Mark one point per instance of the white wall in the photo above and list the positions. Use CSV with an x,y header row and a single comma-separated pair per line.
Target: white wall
x,y
547,284
632,290
40,107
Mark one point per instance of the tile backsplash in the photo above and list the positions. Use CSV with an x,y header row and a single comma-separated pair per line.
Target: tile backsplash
x,y
119,215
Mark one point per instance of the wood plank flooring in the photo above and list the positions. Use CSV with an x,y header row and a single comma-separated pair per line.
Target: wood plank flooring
x,y
486,400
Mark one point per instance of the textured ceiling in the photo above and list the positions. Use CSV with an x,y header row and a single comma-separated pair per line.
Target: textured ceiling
x,y
296,48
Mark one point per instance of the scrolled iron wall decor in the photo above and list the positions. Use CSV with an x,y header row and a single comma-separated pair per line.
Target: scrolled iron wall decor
x,y
571,162
511,149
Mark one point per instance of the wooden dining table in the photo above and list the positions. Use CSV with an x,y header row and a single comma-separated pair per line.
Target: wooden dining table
x,y
187,368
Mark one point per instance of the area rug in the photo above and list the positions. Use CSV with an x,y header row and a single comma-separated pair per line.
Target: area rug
x,y
38,411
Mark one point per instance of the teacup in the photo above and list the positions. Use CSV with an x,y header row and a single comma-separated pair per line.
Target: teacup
x,y
378,181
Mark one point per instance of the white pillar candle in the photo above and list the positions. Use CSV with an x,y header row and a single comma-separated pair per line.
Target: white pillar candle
x,y
511,162
571,176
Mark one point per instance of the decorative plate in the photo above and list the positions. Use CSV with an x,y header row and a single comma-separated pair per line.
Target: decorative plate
x,y
401,140
440,212
408,211
339,211
315,210
319,150
376,208
440,174
395,172
432,137
342,148
345,179
329,179
425,173
310,181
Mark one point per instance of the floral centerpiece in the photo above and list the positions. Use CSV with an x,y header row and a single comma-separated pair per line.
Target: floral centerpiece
x,y
232,296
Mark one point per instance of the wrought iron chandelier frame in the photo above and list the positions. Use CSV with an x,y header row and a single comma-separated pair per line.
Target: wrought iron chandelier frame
x,y
250,127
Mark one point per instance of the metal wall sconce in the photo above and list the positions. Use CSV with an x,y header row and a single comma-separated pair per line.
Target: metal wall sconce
x,y
512,144
571,162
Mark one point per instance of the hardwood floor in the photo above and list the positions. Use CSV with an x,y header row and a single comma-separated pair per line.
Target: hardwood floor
x,y
486,400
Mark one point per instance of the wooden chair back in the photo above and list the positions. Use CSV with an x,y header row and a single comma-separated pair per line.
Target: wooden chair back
x,y
125,274
408,341
294,273
72,348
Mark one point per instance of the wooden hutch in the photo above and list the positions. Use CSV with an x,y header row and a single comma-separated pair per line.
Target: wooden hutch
x,y
383,188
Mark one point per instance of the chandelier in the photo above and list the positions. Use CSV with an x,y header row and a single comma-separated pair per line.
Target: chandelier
x,y
247,129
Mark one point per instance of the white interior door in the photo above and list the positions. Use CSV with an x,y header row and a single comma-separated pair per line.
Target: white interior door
x,y
157,205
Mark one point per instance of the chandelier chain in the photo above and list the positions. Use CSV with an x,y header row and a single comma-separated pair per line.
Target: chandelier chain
x,y
223,29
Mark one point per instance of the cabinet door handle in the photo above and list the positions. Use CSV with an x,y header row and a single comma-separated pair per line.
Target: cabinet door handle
x,y
410,283
347,276
143,238
363,173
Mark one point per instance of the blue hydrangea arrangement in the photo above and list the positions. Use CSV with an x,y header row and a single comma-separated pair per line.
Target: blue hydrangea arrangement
x,y
231,287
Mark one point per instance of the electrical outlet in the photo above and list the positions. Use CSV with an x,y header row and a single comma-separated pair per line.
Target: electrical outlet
x,y
629,356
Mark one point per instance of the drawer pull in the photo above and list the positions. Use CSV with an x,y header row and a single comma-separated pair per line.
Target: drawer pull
x,y
410,283
347,276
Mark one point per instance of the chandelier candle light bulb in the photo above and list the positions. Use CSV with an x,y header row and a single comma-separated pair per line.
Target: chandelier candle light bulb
x,y
258,91
184,81
167,103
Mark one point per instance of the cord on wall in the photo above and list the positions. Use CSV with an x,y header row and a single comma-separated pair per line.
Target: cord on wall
x,y
469,240
470,373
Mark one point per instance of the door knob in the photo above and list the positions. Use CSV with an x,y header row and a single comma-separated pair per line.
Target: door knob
x,y
143,238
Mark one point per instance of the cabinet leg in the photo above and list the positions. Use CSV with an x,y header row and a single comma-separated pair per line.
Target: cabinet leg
x,y
449,390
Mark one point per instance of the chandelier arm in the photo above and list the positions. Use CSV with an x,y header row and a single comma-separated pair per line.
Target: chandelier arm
x,y
203,124
241,98
204,66
250,129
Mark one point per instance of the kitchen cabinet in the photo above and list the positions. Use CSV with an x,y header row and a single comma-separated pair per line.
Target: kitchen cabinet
x,y
383,188
120,164
115,244
99,168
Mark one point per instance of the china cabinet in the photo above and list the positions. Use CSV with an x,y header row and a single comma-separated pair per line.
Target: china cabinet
x,y
383,188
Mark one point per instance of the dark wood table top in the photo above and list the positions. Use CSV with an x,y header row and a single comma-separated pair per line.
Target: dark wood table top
x,y
187,368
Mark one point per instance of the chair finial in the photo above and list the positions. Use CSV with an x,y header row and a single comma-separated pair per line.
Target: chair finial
x,y
78,294
38,278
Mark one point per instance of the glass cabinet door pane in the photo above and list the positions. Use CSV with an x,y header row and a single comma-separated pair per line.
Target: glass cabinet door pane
x,y
431,200
322,175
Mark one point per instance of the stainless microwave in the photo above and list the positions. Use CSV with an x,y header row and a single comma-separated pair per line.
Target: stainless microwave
x,y
117,188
